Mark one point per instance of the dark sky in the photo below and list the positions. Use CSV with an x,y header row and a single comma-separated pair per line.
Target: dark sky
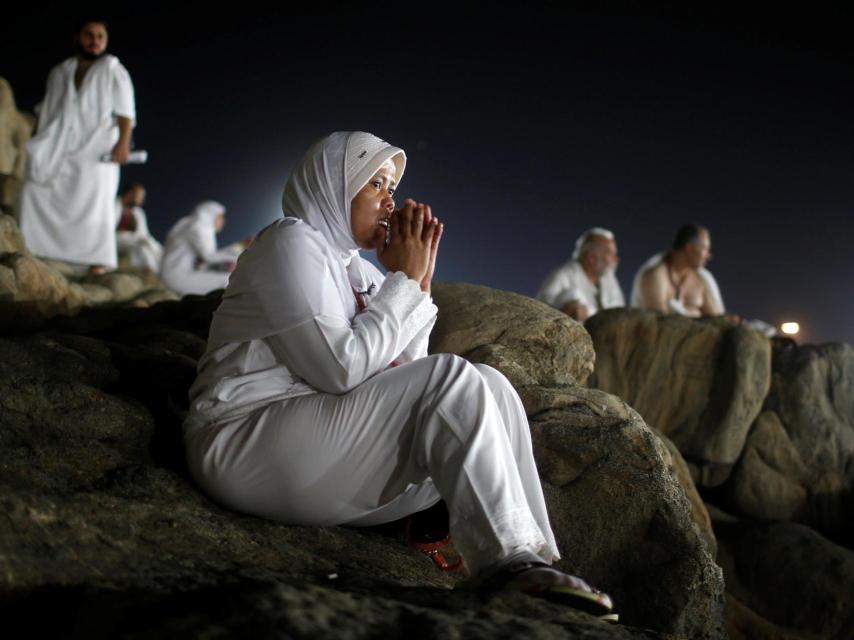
x,y
523,126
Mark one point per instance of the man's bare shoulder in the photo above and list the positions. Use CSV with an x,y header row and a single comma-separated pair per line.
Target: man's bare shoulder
x,y
655,273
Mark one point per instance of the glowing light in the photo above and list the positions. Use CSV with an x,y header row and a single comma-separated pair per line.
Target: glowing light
x,y
790,328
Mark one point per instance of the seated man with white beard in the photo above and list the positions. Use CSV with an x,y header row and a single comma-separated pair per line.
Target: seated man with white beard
x,y
587,283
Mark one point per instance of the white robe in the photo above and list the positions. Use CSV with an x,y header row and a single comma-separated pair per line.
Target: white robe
x,y
67,198
675,305
142,249
190,246
569,283
297,415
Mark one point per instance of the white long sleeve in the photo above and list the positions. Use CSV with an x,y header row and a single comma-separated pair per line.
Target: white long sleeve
x,y
334,356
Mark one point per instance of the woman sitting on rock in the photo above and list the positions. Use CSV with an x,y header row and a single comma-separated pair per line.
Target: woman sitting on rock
x,y
191,262
316,402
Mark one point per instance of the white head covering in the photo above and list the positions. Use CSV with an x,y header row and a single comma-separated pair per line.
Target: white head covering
x,y
258,301
203,217
584,237
322,186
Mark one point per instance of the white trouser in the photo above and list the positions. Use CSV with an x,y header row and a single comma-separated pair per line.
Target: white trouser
x,y
436,427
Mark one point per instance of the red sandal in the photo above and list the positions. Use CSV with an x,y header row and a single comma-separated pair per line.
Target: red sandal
x,y
433,550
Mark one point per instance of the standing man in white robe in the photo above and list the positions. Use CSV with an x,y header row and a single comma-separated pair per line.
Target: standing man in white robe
x,y
677,281
587,283
67,201
134,240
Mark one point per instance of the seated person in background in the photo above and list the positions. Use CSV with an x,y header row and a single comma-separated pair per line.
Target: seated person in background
x,y
587,283
137,247
316,402
677,281
191,262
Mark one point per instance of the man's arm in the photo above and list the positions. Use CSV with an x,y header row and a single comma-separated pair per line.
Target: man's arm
x,y
654,290
122,149
710,306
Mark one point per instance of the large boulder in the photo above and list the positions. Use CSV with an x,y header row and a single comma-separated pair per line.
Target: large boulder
x,y
618,509
784,578
798,463
530,342
33,289
701,382
106,529
11,240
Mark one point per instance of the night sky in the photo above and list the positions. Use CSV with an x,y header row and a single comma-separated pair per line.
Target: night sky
x,y
523,127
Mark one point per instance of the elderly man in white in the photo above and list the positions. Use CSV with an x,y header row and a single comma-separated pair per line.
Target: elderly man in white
x,y
587,283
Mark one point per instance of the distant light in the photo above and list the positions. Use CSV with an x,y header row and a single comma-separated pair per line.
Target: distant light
x,y
790,328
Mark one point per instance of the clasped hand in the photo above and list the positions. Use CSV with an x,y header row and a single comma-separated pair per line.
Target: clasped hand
x,y
412,242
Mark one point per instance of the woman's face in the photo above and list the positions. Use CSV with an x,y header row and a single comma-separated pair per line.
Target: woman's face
x,y
372,207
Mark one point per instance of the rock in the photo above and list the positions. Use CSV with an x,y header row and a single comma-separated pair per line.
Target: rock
x,y
790,576
11,240
798,462
530,342
701,382
744,624
34,289
769,481
30,288
699,511
104,523
614,498
15,132
622,519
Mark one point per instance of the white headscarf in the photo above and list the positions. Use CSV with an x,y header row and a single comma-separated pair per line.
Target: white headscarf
x,y
257,302
202,218
324,183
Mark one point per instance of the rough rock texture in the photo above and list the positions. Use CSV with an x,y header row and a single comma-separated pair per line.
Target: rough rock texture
x,y
103,528
528,341
798,463
606,475
15,131
701,382
32,289
788,575
11,240
680,469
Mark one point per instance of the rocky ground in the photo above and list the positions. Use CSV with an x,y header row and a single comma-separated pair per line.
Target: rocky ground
x,y
767,431
103,528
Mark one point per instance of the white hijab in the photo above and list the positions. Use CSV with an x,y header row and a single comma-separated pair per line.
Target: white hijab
x,y
202,219
324,183
318,192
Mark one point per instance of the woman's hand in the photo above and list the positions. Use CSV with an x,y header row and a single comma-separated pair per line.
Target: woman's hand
x,y
438,228
410,242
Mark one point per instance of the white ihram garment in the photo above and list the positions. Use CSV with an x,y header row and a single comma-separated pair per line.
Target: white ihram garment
x,y
141,248
190,246
297,414
67,197
569,283
637,299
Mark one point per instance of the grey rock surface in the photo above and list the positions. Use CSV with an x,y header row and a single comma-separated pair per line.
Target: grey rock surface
x,y
103,524
790,576
700,382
